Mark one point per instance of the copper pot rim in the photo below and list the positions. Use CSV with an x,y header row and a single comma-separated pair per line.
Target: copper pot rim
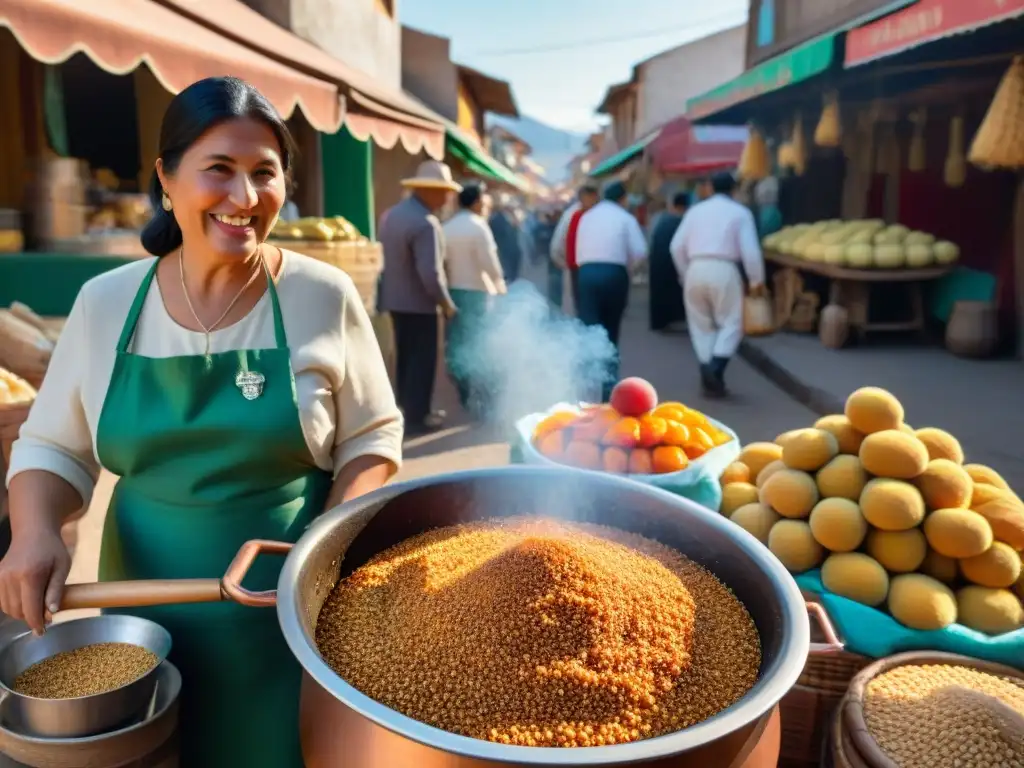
x,y
771,686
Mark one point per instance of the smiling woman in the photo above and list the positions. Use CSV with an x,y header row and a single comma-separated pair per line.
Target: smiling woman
x,y
236,389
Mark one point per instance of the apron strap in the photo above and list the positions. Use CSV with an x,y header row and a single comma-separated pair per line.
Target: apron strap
x,y
130,324
279,334
133,314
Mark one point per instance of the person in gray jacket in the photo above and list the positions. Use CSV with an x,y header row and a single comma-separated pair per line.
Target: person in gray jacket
x,y
413,287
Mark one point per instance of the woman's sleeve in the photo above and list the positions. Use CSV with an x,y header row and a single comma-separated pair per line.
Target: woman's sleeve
x,y
368,420
56,436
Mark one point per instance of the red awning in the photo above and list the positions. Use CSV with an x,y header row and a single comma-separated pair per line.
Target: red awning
x,y
374,109
923,22
119,35
684,148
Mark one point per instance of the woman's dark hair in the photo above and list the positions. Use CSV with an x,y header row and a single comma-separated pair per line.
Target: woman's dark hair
x,y
615,191
200,107
470,195
681,200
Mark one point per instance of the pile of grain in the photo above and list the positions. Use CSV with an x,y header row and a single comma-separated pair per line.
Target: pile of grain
x,y
944,716
539,633
86,671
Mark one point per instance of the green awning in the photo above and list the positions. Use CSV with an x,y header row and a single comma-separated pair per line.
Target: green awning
x,y
476,159
804,61
619,159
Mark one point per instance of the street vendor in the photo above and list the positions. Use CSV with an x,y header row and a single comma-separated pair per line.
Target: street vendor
x,y
236,389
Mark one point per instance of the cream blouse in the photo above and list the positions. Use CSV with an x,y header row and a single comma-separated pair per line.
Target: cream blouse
x,y
346,405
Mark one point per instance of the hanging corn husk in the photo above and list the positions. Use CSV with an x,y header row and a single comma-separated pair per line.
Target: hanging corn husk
x,y
955,172
785,157
917,159
799,146
999,142
754,163
829,132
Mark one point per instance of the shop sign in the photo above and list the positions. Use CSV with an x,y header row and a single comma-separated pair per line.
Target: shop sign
x,y
923,22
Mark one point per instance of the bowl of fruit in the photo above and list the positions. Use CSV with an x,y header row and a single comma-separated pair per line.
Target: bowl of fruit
x,y
669,445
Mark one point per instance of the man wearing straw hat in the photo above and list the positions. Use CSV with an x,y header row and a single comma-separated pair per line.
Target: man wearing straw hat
x,y
413,288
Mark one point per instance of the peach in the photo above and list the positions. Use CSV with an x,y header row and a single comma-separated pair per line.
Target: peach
x,y
634,397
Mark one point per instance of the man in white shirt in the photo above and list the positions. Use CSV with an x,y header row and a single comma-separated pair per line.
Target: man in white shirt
x,y
563,241
609,244
474,276
715,238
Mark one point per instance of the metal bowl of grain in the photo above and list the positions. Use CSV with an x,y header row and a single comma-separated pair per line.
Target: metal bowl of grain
x,y
82,677
344,726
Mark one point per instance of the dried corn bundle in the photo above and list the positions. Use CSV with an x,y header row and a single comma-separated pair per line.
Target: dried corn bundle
x,y
799,146
999,142
955,172
918,157
754,163
829,132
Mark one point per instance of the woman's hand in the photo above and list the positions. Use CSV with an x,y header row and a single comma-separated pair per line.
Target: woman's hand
x,y
32,577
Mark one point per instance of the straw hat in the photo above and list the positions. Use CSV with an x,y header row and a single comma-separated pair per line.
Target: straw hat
x,y
432,174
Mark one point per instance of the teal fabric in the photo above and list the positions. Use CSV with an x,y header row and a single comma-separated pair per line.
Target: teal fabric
x,y
699,482
873,633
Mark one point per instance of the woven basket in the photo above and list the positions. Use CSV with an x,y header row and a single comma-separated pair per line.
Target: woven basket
x,y
841,752
808,707
362,261
860,741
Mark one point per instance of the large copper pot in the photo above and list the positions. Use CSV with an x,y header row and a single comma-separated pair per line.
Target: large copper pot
x,y
342,728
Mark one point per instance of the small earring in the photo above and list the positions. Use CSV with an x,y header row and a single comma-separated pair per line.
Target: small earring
x,y
165,203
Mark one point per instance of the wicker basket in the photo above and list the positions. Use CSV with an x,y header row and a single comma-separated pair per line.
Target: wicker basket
x,y
859,741
808,708
362,261
841,751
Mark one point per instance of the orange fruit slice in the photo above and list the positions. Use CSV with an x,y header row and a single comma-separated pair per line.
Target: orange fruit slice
x,y
556,421
583,455
670,411
668,458
652,431
615,460
640,462
676,434
552,445
625,433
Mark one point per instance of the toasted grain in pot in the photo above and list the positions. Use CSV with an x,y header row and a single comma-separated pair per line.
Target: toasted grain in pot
x,y
541,633
86,671
947,716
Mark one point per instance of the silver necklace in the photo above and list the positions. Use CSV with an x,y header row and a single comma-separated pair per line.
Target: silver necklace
x,y
188,300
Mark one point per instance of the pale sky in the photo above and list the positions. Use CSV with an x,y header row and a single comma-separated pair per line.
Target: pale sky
x,y
576,48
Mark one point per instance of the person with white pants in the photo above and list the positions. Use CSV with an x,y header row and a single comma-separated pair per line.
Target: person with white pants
x,y
716,237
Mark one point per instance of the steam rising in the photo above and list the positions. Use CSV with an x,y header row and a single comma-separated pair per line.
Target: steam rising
x,y
525,357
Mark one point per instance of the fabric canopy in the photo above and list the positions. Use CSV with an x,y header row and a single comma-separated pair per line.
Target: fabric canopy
x,y
923,22
119,35
799,64
374,111
472,155
619,159
684,148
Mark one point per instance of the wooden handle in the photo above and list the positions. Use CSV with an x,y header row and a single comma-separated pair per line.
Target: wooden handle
x,y
141,593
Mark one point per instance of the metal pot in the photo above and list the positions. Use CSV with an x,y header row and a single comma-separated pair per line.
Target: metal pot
x,y
342,728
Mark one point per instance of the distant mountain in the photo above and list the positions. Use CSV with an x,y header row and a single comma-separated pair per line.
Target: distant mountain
x,y
552,147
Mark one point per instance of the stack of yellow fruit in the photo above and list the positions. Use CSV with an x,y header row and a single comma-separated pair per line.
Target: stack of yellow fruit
x,y
330,229
862,244
891,514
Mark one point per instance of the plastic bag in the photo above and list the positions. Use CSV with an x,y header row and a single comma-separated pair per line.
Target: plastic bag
x,y
699,482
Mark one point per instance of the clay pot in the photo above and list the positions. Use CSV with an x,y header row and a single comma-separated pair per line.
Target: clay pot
x,y
973,329
834,327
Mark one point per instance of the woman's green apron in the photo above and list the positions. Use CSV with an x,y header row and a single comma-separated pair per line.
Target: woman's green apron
x,y
210,453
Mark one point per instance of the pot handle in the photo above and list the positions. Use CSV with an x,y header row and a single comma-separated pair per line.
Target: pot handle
x,y
832,642
231,584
